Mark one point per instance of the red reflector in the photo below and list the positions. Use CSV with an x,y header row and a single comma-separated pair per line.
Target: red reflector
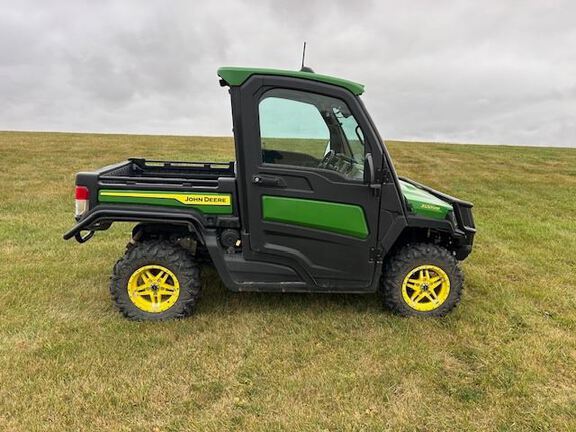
x,y
82,193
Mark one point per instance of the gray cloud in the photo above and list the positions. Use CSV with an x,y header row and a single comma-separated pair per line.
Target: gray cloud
x,y
490,72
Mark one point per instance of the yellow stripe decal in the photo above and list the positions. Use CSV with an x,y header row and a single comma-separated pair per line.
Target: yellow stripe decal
x,y
188,199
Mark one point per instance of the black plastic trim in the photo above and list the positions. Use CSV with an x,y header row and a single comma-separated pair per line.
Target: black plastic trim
x,y
102,217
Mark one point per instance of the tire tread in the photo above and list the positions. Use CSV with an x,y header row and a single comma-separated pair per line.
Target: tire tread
x,y
398,264
178,259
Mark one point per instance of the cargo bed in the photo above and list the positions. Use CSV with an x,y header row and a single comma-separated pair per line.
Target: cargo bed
x,y
154,171
138,185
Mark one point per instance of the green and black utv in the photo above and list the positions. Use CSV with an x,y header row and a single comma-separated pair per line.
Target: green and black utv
x,y
311,204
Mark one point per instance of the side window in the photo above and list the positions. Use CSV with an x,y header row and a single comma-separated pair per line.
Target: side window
x,y
292,132
309,130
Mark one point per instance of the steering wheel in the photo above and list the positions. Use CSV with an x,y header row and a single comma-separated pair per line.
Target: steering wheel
x,y
327,159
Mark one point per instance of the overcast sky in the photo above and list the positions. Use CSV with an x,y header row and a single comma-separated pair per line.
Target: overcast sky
x,y
456,71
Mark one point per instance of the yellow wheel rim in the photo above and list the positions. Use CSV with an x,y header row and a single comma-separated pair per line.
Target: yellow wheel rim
x,y
426,288
153,288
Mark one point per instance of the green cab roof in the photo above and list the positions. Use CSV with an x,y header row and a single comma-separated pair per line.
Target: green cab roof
x,y
236,76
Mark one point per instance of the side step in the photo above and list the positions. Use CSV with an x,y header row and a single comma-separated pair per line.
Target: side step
x,y
239,274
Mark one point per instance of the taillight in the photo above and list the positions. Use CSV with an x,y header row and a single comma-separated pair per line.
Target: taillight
x,y
82,200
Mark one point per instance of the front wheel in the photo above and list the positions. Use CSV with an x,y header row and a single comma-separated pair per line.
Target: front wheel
x,y
155,280
422,280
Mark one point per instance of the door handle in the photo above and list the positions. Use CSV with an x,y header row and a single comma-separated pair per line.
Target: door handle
x,y
269,181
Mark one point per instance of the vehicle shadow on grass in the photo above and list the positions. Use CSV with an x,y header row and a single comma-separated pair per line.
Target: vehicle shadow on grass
x,y
217,299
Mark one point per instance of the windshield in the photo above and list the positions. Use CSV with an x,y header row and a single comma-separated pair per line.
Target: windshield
x,y
352,134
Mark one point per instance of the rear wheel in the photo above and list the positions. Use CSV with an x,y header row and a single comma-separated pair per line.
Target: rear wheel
x,y
155,280
421,280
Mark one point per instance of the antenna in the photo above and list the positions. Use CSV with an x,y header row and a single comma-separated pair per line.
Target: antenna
x,y
305,68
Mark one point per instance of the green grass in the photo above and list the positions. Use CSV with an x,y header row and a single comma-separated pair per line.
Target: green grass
x,y
505,359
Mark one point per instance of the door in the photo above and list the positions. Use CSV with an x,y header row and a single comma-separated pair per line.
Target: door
x,y
308,203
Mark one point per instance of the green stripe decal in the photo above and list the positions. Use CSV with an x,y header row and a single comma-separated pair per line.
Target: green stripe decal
x,y
340,218
206,202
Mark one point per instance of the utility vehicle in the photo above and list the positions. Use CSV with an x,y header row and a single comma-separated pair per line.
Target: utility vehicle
x,y
311,204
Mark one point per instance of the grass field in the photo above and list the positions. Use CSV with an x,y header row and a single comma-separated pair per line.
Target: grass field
x,y
504,360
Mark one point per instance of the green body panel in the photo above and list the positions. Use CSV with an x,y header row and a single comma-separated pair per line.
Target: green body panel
x,y
236,76
196,200
424,203
340,218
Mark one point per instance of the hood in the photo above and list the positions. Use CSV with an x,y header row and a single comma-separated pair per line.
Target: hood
x,y
424,203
